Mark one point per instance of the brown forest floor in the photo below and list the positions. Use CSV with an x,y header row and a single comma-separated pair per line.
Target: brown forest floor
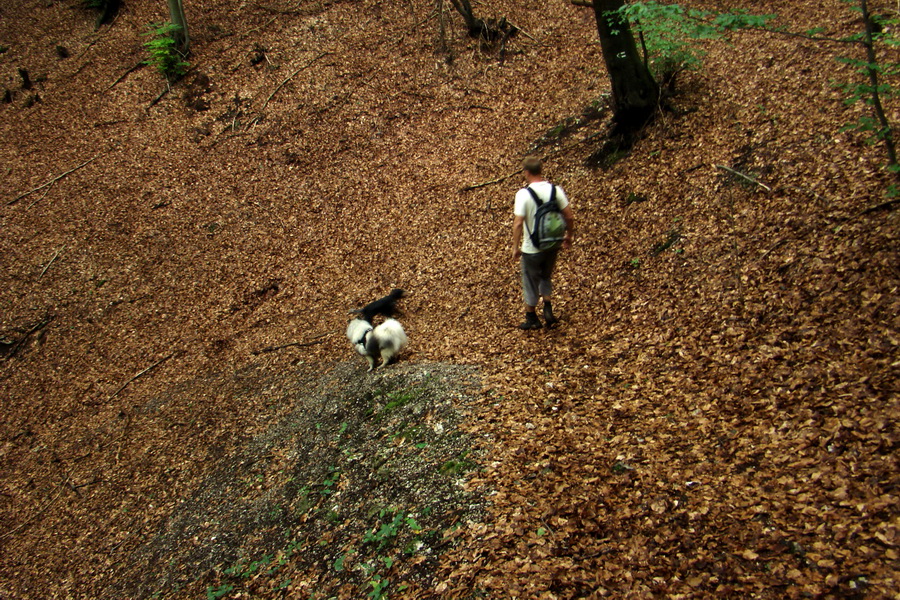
x,y
715,419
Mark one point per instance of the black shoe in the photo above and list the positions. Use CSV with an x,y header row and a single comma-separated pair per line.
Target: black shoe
x,y
531,321
548,315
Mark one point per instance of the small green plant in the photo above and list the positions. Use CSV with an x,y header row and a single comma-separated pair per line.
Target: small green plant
x,y
305,502
388,530
219,592
379,585
672,238
338,564
398,399
621,467
164,52
242,571
457,466
334,475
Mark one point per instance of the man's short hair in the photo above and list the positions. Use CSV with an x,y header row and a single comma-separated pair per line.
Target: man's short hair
x,y
532,164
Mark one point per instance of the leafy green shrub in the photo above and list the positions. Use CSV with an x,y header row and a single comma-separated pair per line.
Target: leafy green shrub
x,y
164,52
669,34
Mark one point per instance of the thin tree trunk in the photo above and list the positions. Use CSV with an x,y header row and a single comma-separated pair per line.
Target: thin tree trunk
x,y
887,132
635,93
176,16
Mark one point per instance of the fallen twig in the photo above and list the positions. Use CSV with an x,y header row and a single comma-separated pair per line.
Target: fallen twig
x,y
55,256
39,512
142,373
743,176
156,100
772,249
889,205
281,11
557,152
14,346
126,74
316,339
44,195
51,182
469,188
292,75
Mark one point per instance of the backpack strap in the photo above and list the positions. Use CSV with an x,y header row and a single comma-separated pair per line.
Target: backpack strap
x,y
537,199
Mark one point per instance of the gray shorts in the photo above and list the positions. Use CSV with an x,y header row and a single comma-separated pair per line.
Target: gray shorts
x,y
536,272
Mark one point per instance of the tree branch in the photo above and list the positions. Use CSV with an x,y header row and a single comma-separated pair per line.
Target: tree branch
x,y
469,188
51,182
39,512
292,75
316,339
141,374
55,256
741,175
127,72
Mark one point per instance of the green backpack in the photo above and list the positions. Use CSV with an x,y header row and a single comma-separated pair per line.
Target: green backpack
x,y
549,224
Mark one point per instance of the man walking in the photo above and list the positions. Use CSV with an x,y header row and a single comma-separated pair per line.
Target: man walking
x,y
537,265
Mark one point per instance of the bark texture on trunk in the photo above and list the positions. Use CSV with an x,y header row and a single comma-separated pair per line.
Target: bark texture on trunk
x,y
635,93
176,16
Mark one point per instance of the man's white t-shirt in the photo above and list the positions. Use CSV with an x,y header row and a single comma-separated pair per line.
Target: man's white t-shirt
x,y
525,206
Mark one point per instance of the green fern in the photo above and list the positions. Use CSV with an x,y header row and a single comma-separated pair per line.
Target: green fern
x,y
164,52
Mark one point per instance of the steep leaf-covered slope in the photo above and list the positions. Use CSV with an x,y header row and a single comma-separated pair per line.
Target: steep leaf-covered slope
x,y
715,416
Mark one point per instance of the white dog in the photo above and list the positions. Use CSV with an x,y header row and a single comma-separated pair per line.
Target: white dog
x,y
385,340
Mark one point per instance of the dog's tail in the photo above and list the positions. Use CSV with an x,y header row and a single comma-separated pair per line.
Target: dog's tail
x,y
386,306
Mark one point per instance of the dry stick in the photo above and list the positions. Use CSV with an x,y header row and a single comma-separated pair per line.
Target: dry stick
x,y
280,11
44,195
747,177
119,439
39,512
16,345
126,74
772,249
55,256
316,339
294,74
889,205
469,188
142,373
255,30
156,100
51,182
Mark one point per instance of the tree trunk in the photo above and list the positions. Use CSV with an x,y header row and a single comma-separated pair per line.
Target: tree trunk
x,y
886,133
176,16
108,12
635,93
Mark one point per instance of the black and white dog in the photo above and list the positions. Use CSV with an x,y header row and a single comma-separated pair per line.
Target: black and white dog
x,y
385,340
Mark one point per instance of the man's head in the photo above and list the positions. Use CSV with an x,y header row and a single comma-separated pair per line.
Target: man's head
x,y
533,166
